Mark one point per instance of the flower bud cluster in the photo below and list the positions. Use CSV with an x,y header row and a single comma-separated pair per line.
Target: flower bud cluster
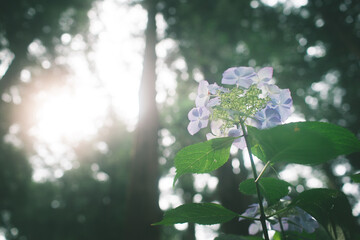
x,y
251,98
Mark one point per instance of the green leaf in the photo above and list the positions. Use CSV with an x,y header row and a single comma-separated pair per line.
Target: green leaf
x,y
330,208
302,142
356,177
293,235
201,213
271,188
236,237
203,157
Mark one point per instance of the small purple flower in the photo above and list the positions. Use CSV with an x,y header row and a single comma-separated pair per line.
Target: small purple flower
x,y
270,90
213,88
282,102
263,76
251,212
239,142
199,118
299,222
203,94
239,76
267,118
216,132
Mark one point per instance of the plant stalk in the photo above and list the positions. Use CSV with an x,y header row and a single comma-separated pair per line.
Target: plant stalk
x,y
260,198
282,228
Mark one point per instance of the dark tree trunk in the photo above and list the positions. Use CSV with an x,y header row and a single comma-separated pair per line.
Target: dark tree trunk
x,y
142,207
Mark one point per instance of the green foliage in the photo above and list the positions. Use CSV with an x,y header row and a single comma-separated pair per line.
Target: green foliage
x,y
292,235
302,142
272,189
356,177
236,237
201,213
203,157
330,208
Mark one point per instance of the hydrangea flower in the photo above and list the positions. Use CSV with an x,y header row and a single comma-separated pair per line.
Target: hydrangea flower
x,y
251,99
299,222
263,76
239,142
267,118
271,90
203,95
204,92
199,118
282,102
252,211
239,76
217,132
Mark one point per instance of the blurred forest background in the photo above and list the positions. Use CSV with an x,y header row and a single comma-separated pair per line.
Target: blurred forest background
x,y
77,161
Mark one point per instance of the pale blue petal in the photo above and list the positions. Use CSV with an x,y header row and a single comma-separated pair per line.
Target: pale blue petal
x,y
285,112
203,88
265,74
214,102
204,113
267,118
235,133
245,72
215,127
273,118
239,143
194,114
203,123
271,89
244,82
228,81
229,76
285,224
252,211
203,94
201,101
193,127
285,95
210,136
213,88
299,222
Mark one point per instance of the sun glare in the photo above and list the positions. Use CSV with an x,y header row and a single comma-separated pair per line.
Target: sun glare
x,y
69,116
119,54
72,114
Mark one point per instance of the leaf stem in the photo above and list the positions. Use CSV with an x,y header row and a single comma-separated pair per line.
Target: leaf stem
x,y
278,212
260,198
262,171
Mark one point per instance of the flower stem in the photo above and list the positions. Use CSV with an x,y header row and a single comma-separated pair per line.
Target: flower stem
x,y
282,228
260,198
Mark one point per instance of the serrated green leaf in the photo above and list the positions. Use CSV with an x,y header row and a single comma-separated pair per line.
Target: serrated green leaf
x,y
236,237
272,189
356,177
201,213
203,157
330,208
302,142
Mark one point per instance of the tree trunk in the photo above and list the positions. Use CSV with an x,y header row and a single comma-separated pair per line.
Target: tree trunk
x,y
142,207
